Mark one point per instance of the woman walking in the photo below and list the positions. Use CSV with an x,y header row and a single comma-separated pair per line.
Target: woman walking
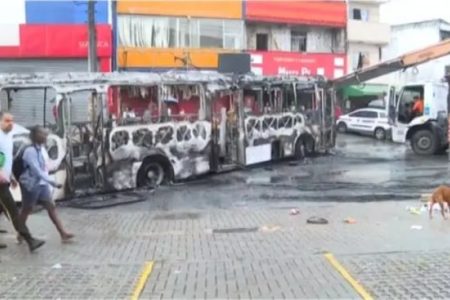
x,y
35,181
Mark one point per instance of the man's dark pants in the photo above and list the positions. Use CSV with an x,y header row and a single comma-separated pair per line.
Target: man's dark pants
x,y
8,206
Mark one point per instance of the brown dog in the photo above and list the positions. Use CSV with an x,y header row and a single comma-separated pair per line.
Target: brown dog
x,y
440,195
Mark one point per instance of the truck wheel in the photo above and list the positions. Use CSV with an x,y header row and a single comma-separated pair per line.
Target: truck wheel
x,y
380,133
424,142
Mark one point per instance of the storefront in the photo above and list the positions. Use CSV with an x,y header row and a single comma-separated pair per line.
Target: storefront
x,y
162,35
58,48
288,63
365,95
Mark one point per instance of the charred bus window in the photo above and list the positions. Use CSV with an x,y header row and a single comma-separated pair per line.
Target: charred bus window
x,y
130,105
254,101
182,103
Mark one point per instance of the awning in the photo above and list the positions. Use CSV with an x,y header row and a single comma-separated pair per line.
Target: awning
x,y
364,90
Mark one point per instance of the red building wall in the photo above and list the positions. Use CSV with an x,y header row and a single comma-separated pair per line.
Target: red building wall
x,y
332,13
60,41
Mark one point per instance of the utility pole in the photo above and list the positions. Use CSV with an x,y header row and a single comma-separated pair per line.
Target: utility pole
x,y
92,31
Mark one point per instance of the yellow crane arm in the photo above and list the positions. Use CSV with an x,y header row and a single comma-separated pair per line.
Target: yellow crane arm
x,y
402,62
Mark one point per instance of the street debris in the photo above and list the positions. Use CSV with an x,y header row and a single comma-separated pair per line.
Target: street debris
x,y
414,210
269,228
317,220
350,221
258,180
57,266
3,231
416,227
294,212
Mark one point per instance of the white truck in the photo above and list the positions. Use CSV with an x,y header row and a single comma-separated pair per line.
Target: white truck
x,y
426,132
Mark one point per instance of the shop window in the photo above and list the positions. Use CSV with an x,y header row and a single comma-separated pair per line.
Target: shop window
x,y
211,33
298,41
262,42
172,32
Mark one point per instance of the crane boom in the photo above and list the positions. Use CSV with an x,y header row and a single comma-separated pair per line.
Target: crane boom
x,y
402,62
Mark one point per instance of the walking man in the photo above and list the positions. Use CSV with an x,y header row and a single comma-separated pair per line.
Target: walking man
x,y
6,180
35,181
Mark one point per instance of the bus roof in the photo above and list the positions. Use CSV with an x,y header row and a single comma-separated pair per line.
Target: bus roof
x,y
78,81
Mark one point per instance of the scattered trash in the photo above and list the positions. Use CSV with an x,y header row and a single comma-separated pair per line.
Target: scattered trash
x,y
317,220
350,221
414,210
417,227
294,211
3,231
258,180
177,272
57,266
269,228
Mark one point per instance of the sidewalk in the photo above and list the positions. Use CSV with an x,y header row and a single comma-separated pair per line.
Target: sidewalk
x,y
250,251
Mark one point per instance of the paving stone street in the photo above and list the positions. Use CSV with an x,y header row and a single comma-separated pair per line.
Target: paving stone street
x,y
223,240
280,256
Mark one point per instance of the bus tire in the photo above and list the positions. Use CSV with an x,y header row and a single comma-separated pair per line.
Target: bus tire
x,y
309,146
155,171
304,147
299,151
424,142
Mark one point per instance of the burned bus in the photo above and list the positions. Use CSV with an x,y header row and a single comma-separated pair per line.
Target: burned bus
x,y
119,131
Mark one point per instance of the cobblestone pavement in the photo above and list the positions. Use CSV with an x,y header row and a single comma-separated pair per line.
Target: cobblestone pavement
x,y
232,236
246,252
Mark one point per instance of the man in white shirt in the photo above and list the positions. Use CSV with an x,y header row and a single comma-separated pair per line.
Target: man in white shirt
x,y
7,179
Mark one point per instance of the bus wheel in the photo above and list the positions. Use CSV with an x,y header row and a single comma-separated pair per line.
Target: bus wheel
x,y
424,142
304,147
309,146
151,174
299,152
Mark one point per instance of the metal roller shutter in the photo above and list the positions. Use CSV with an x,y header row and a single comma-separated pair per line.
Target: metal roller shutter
x,y
28,106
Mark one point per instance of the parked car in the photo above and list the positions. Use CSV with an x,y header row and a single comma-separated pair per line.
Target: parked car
x,y
370,121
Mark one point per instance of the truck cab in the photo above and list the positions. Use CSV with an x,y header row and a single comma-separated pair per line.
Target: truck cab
x,y
426,129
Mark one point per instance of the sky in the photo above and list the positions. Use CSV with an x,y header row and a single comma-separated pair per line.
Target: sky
x,y
405,11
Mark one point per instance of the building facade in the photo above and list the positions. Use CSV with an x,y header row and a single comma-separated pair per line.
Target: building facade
x,y
49,36
296,37
283,37
412,36
160,35
366,35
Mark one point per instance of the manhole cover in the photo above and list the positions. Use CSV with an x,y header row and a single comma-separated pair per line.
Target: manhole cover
x,y
236,230
177,216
